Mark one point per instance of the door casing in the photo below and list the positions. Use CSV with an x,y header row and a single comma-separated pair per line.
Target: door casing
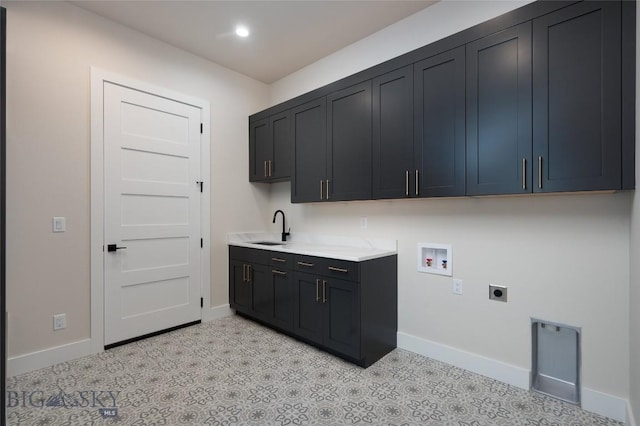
x,y
98,78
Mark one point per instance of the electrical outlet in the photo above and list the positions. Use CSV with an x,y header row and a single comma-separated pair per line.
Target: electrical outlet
x,y
363,222
59,224
498,292
59,321
457,286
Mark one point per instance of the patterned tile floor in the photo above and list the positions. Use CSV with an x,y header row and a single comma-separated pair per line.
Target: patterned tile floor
x,y
234,372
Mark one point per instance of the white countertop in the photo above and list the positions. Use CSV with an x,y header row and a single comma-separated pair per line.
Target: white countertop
x,y
333,247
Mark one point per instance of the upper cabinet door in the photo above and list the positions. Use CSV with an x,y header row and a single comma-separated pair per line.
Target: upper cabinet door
x,y
260,150
349,143
577,98
439,117
308,128
280,128
393,134
499,113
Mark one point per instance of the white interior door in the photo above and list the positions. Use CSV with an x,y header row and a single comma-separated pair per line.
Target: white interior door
x,y
152,213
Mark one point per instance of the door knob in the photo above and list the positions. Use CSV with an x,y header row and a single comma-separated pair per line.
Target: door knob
x,y
113,247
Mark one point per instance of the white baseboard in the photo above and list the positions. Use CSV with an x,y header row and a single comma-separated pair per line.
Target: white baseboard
x,y
515,376
597,402
47,357
216,312
630,420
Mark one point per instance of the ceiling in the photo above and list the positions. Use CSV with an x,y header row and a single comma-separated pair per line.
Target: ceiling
x,y
285,35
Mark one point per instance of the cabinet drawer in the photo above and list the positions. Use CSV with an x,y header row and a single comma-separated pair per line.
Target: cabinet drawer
x,y
281,260
249,255
334,268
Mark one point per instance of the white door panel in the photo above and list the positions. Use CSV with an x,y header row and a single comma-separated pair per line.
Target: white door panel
x,y
152,207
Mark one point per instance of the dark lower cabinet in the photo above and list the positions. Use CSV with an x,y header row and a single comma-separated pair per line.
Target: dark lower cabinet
x,y
499,113
282,298
260,288
308,308
347,308
577,98
327,312
239,287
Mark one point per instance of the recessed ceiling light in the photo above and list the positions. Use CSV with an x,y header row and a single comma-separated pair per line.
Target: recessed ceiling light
x,y
242,31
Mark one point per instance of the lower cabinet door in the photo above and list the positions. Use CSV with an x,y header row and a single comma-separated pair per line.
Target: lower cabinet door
x,y
239,287
308,307
282,296
341,301
261,292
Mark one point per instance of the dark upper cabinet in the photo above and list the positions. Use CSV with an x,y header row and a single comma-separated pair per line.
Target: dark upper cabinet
x,y
541,99
393,134
270,149
439,119
577,98
498,75
259,150
349,144
308,129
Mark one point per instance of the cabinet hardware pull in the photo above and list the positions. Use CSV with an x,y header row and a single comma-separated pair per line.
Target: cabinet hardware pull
x,y
539,172
265,168
317,290
275,271
524,174
417,182
324,291
277,259
328,189
333,268
321,189
310,265
270,168
406,183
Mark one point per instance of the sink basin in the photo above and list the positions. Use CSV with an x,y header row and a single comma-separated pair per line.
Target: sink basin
x,y
266,243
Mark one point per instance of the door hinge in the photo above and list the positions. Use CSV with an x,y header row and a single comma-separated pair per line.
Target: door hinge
x,y
201,128
201,243
201,183
201,302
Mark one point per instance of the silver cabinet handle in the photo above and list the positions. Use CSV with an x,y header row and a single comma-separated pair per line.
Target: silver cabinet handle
x,y
275,271
270,168
417,182
277,259
539,172
317,290
406,183
309,265
324,291
333,268
328,189
321,189
524,174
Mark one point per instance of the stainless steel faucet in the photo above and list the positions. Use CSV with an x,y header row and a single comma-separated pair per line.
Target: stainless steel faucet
x,y
284,233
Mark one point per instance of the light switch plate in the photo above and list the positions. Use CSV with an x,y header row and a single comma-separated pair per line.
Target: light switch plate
x,y
457,286
59,224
